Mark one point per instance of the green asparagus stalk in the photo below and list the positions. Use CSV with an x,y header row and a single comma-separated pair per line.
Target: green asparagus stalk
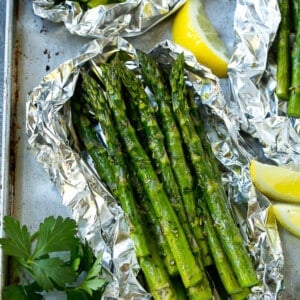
x,y
171,227
223,266
156,145
294,100
151,222
155,80
111,173
199,128
213,191
158,281
243,295
204,290
283,52
97,152
158,237
156,276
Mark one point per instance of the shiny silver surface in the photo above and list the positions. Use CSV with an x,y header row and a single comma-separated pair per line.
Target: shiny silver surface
x,y
128,18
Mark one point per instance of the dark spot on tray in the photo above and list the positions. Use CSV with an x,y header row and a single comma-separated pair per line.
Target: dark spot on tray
x,y
43,30
47,52
57,53
47,68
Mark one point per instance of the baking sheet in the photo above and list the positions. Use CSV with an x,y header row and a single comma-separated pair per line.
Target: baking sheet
x,y
39,46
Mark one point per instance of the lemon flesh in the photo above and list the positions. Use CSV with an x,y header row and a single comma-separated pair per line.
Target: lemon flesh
x,y
193,30
277,183
288,216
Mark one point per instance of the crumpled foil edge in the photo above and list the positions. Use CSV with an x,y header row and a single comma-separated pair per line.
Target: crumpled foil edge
x,y
265,132
130,18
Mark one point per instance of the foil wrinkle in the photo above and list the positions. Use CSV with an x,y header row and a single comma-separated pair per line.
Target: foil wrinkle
x,y
129,18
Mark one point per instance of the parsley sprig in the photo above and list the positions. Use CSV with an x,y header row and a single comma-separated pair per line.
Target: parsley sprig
x,y
52,258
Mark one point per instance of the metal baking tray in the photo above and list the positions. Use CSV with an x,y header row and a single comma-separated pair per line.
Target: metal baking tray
x,y
33,48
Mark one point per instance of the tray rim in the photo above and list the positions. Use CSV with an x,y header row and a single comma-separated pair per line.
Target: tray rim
x,y
5,184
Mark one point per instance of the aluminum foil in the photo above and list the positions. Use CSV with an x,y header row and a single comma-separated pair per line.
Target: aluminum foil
x,y
100,220
265,133
130,18
258,111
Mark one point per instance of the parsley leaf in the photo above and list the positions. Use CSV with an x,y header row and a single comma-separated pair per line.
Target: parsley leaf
x,y
55,235
51,258
92,282
17,242
51,272
17,292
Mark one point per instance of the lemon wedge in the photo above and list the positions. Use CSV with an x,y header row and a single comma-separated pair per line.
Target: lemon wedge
x,y
288,216
277,183
193,30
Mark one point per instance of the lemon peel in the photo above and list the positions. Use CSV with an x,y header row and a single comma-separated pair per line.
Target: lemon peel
x,y
277,183
288,215
193,30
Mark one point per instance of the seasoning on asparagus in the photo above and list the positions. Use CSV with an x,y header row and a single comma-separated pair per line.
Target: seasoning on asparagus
x,y
221,261
158,281
156,276
283,52
122,189
156,146
153,225
213,191
155,80
199,128
171,227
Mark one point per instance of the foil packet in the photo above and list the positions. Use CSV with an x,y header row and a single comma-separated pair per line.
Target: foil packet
x,y
129,18
252,73
100,220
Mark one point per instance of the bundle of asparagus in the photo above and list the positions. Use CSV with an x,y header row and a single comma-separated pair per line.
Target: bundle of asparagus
x,y
288,61
155,159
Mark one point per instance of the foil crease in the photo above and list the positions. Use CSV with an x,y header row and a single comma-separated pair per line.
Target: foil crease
x,y
129,18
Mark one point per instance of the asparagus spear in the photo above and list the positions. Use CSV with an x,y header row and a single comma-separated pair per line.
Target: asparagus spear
x,y
283,52
223,266
171,227
122,189
111,172
294,100
151,221
156,276
155,80
88,137
243,295
158,237
199,128
156,145
213,191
